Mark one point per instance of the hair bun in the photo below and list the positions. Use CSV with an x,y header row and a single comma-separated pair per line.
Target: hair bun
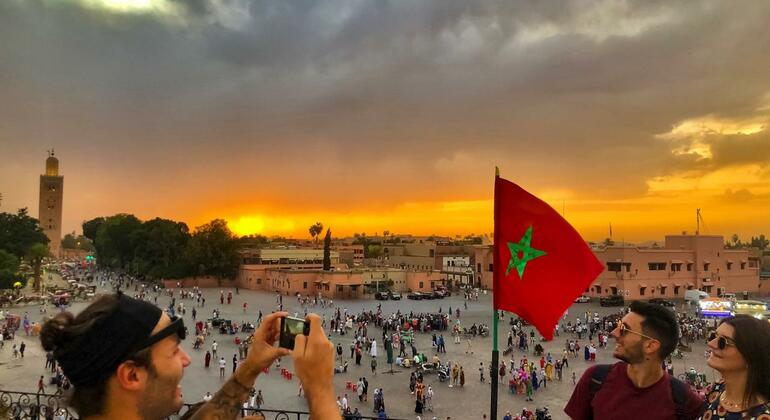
x,y
54,334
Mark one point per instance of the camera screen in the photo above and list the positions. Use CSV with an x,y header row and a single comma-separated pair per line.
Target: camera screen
x,y
290,328
294,326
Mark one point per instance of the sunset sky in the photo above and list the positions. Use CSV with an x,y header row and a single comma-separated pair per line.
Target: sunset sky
x,y
372,115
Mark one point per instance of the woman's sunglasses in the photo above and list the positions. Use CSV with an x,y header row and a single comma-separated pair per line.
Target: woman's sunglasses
x,y
722,341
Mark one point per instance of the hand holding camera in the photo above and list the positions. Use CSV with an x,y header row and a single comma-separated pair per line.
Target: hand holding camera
x,y
313,357
262,353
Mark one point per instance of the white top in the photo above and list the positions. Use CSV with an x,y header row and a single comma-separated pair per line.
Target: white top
x,y
222,363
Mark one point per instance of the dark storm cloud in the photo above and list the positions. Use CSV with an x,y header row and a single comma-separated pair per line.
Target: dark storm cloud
x,y
563,95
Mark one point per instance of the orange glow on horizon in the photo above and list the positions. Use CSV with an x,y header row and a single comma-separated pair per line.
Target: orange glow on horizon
x,y
667,209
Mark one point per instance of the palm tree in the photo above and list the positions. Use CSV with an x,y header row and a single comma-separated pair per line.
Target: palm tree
x,y
316,230
35,256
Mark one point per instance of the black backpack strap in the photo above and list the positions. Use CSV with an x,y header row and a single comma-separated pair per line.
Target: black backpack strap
x,y
679,391
597,380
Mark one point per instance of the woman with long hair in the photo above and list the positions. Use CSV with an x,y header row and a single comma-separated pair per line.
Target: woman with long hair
x,y
740,351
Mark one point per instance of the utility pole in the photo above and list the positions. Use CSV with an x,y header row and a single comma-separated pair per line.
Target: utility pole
x,y
697,222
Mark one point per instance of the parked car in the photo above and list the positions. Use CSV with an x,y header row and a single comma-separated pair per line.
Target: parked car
x,y
582,299
216,322
437,294
612,300
444,291
440,293
395,296
385,295
662,302
428,295
414,296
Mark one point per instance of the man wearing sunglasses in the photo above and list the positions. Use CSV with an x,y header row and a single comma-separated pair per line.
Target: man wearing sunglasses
x,y
124,358
637,387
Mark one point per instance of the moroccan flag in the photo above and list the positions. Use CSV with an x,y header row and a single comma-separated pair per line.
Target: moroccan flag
x,y
541,263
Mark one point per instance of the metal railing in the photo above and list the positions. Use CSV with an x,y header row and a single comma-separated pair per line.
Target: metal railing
x,y
28,406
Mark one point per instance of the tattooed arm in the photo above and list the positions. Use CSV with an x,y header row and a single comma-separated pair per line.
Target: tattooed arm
x,y
228,401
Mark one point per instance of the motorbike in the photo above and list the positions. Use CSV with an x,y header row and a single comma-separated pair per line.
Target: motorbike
x,y
542,414
426,368
443,373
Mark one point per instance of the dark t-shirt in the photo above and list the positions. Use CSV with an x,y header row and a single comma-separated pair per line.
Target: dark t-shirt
x,y
619,398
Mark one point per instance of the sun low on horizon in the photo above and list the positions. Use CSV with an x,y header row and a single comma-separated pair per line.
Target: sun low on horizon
x,y
371,117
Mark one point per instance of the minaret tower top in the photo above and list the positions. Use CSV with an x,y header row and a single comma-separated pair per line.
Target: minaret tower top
x,y
51,164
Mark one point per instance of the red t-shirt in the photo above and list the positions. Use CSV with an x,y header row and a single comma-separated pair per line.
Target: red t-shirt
x,y
619,398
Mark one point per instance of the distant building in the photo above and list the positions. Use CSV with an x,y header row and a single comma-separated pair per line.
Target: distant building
x,y
458,269
685,262
289,271
352,255
413,256
51,203
484,263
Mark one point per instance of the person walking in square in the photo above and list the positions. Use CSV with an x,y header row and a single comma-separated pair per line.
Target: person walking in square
x,y
222,366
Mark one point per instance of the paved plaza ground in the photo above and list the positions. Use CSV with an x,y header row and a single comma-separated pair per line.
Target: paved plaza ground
x,y
468,402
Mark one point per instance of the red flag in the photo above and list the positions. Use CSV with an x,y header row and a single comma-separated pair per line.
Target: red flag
x,y
541,262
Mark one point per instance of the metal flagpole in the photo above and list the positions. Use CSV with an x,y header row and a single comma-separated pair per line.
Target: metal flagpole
x,y
495,353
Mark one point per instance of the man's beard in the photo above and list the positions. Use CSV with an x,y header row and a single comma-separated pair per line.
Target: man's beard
x,y
159,398
633,354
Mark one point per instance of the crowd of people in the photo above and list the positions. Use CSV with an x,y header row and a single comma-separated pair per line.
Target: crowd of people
x,y
404,337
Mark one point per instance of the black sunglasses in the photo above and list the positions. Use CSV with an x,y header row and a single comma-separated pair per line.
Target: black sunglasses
x,y
623,329
722,341
175,327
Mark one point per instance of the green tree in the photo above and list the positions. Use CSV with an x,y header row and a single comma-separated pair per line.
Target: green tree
x,y
116,240
327,250
85,244
91,228
212,249
34,258
159,249
253,240
18,232
759,242
69,241
608,242
736,240
316,230
372,251
9,267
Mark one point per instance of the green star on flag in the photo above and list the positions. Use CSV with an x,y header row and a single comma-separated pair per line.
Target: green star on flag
x,y
527,253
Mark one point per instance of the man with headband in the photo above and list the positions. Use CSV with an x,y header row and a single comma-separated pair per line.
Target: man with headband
x,y
124,360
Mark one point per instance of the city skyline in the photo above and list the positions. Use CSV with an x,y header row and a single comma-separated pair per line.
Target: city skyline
x,y
371,116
